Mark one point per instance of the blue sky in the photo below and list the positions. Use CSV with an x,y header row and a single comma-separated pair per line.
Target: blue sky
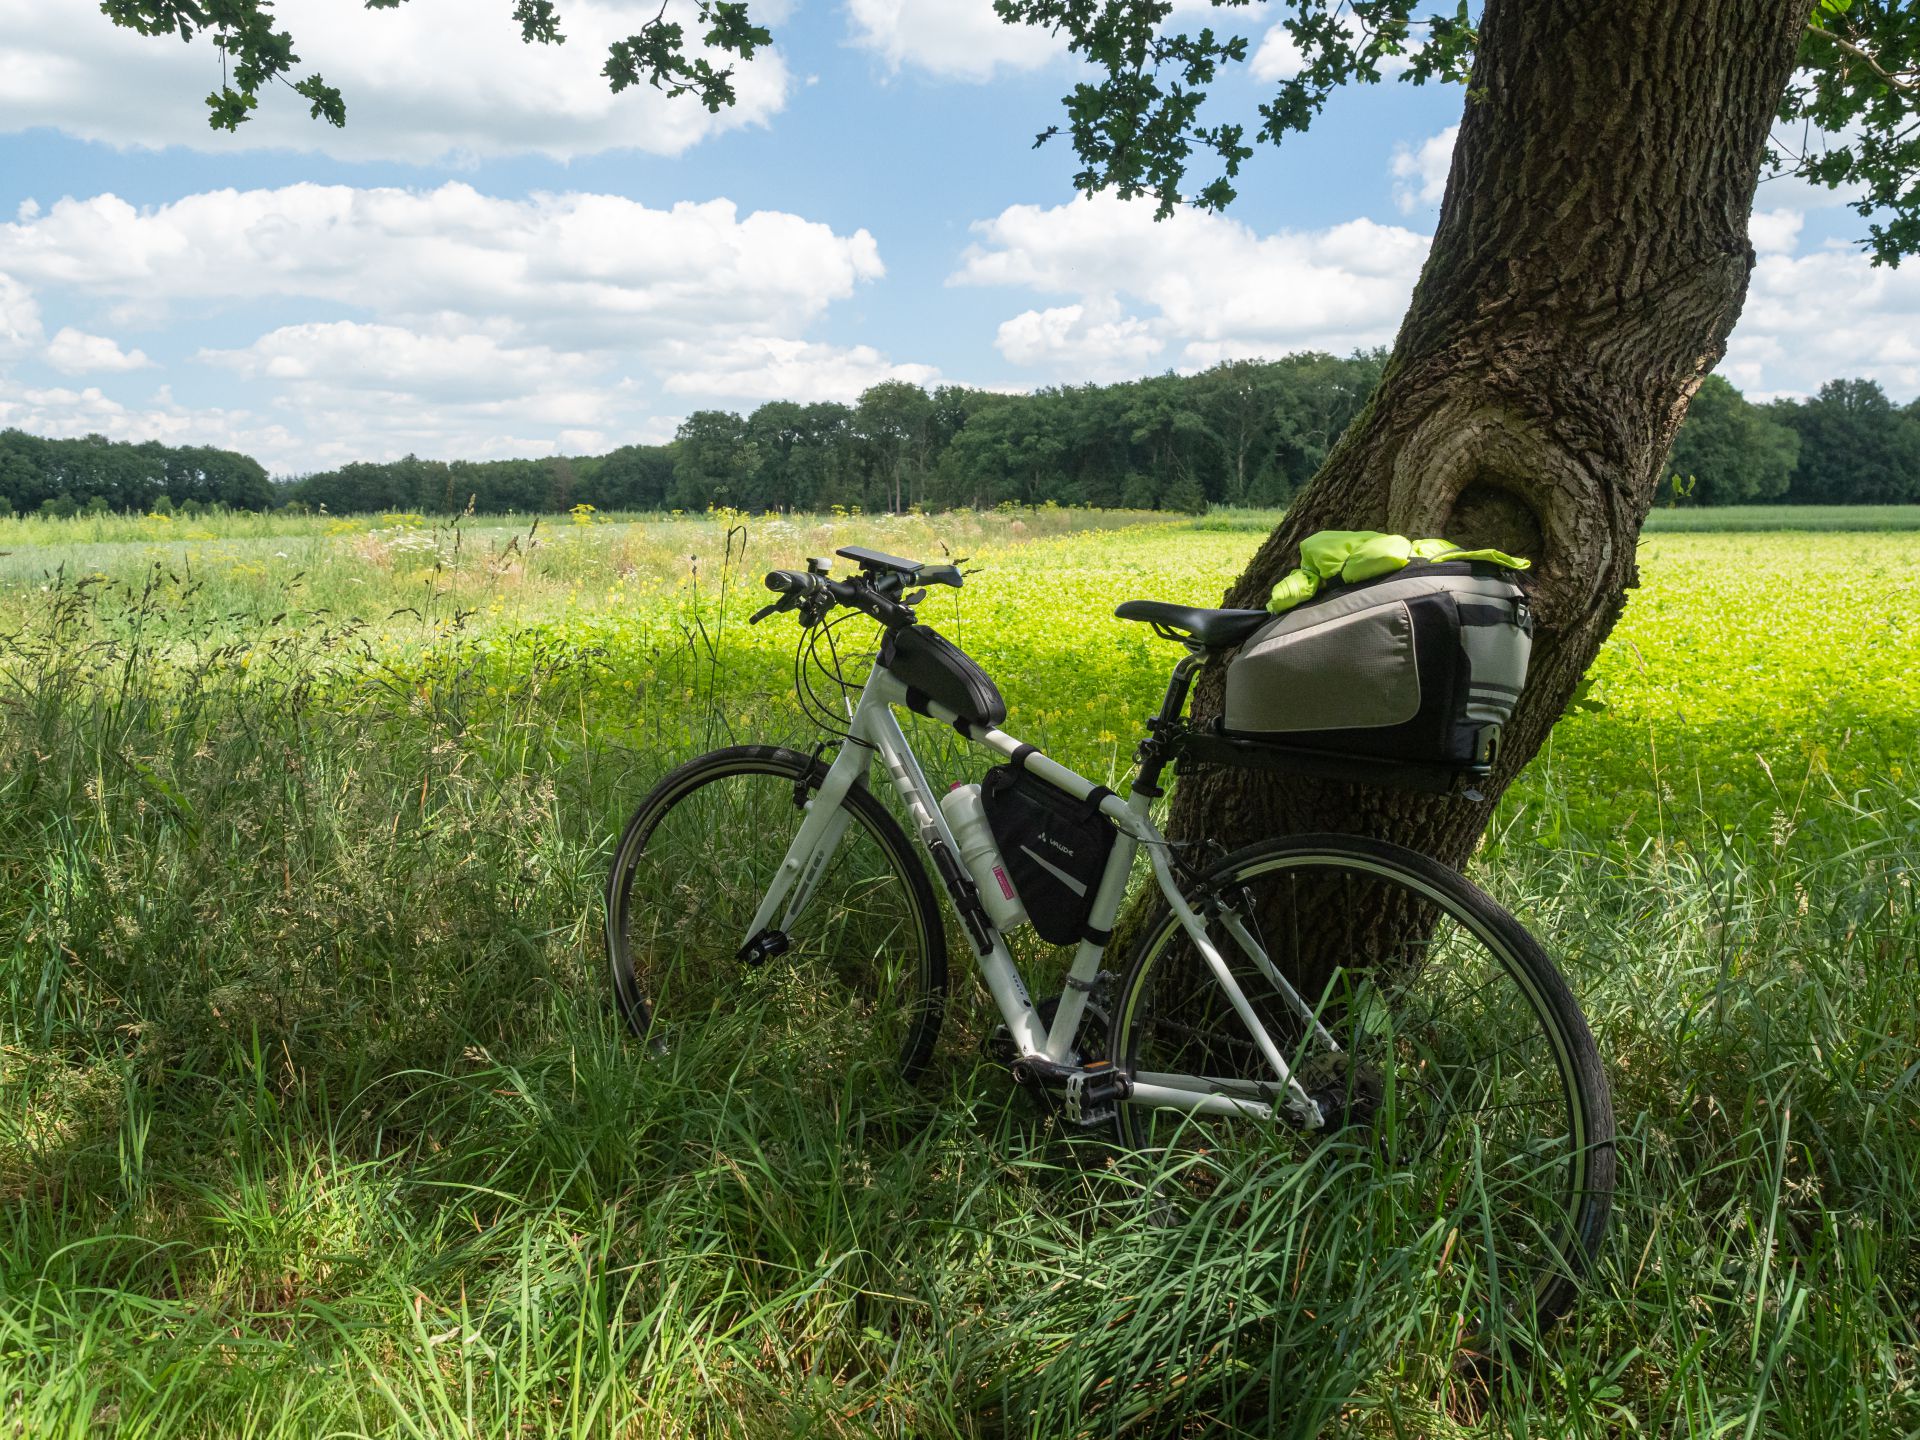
x,y
498,257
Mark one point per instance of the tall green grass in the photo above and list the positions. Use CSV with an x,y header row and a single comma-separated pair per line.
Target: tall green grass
x,y
314,1118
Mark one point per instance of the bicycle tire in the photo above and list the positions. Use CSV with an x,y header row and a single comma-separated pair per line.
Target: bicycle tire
x,y
696,894
1431,890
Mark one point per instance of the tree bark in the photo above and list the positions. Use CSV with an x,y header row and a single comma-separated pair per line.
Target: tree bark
x,y
1590,259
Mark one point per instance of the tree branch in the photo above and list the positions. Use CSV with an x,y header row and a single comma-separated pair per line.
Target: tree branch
x,y
1903,80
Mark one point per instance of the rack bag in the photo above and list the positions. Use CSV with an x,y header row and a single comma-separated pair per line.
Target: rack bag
x,y
1421,666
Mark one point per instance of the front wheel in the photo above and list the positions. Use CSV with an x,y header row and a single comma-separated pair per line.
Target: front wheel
x,y
863,975
1469,1138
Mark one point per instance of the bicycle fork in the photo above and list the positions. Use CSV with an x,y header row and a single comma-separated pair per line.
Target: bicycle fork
x,y
807,859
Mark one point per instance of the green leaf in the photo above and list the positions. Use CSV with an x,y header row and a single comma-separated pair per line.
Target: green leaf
x,y
228,108
1859,77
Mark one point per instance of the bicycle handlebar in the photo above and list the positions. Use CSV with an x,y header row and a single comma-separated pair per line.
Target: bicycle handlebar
x,y
804,590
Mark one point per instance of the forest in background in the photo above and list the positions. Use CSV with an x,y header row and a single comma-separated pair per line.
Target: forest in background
x,y
1247,432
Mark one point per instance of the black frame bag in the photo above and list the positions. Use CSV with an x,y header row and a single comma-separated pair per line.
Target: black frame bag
x,y
1054,847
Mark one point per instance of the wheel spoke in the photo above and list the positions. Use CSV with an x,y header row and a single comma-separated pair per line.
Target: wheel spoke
x,y
1461,1085
864,966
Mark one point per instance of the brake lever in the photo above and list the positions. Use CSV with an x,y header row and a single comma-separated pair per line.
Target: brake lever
x,y
786,602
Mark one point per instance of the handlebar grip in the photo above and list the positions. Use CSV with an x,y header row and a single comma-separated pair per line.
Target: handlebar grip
x,y
790,581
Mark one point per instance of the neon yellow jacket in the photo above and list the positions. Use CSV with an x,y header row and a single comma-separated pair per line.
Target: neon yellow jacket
x,y
1327,556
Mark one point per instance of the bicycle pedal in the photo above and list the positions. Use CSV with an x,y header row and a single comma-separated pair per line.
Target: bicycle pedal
x,y
1093,1097
763,947
1089,1094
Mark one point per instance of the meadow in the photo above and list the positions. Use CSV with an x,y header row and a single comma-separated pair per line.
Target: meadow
x,y
1694,519
314,1118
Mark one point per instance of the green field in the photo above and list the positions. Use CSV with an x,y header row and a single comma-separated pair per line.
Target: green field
x,y
1785,517
313,1118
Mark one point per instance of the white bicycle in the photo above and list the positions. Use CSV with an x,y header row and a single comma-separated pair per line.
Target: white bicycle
x,y
1308,996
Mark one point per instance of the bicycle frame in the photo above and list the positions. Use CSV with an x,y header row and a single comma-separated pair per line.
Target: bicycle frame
x,y
874,731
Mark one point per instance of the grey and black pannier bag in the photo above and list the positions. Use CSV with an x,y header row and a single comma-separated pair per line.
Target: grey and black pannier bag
x,y
1421,667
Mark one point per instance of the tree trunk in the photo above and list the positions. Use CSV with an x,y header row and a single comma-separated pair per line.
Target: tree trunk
x,y
1590,259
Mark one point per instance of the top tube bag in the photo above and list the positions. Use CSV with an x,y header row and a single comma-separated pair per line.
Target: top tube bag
x,y
934,668
1421,667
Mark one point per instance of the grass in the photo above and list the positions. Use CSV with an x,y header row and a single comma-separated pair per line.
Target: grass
x,y
314,1120
1784,517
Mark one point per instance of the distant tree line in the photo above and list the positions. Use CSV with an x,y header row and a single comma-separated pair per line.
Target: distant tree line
x,y
95,474
1243,433
1848,445
1247,432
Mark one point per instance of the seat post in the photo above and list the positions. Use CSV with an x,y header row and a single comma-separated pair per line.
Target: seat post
x,y
1153,754
1178,684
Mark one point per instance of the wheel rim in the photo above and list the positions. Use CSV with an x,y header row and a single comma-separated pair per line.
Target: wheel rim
x,y
852,990
1478,1144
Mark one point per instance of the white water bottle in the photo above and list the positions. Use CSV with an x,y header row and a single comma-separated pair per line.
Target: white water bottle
x,y
967,818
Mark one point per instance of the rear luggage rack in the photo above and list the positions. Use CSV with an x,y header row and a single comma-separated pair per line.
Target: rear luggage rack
x,y
1199,748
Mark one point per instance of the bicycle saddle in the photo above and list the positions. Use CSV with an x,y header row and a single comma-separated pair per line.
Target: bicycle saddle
x,y
1211,628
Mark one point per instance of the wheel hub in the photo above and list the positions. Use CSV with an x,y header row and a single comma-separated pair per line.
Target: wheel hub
x,y
1348,1091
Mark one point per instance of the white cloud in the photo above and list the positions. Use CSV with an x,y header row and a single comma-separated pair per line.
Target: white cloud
x,y
378,380
1095,340
1209,284
295,440
1129,294
756,368
1420,176
589,268
310,428
966,40
373,391
1776,232
429,80
1826,315
1120,295
341,357
74,352
20,329
1279,57
956,39
64,412
475,326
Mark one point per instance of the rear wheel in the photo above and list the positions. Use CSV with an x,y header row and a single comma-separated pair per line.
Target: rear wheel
x,y
1469,1144
863,978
